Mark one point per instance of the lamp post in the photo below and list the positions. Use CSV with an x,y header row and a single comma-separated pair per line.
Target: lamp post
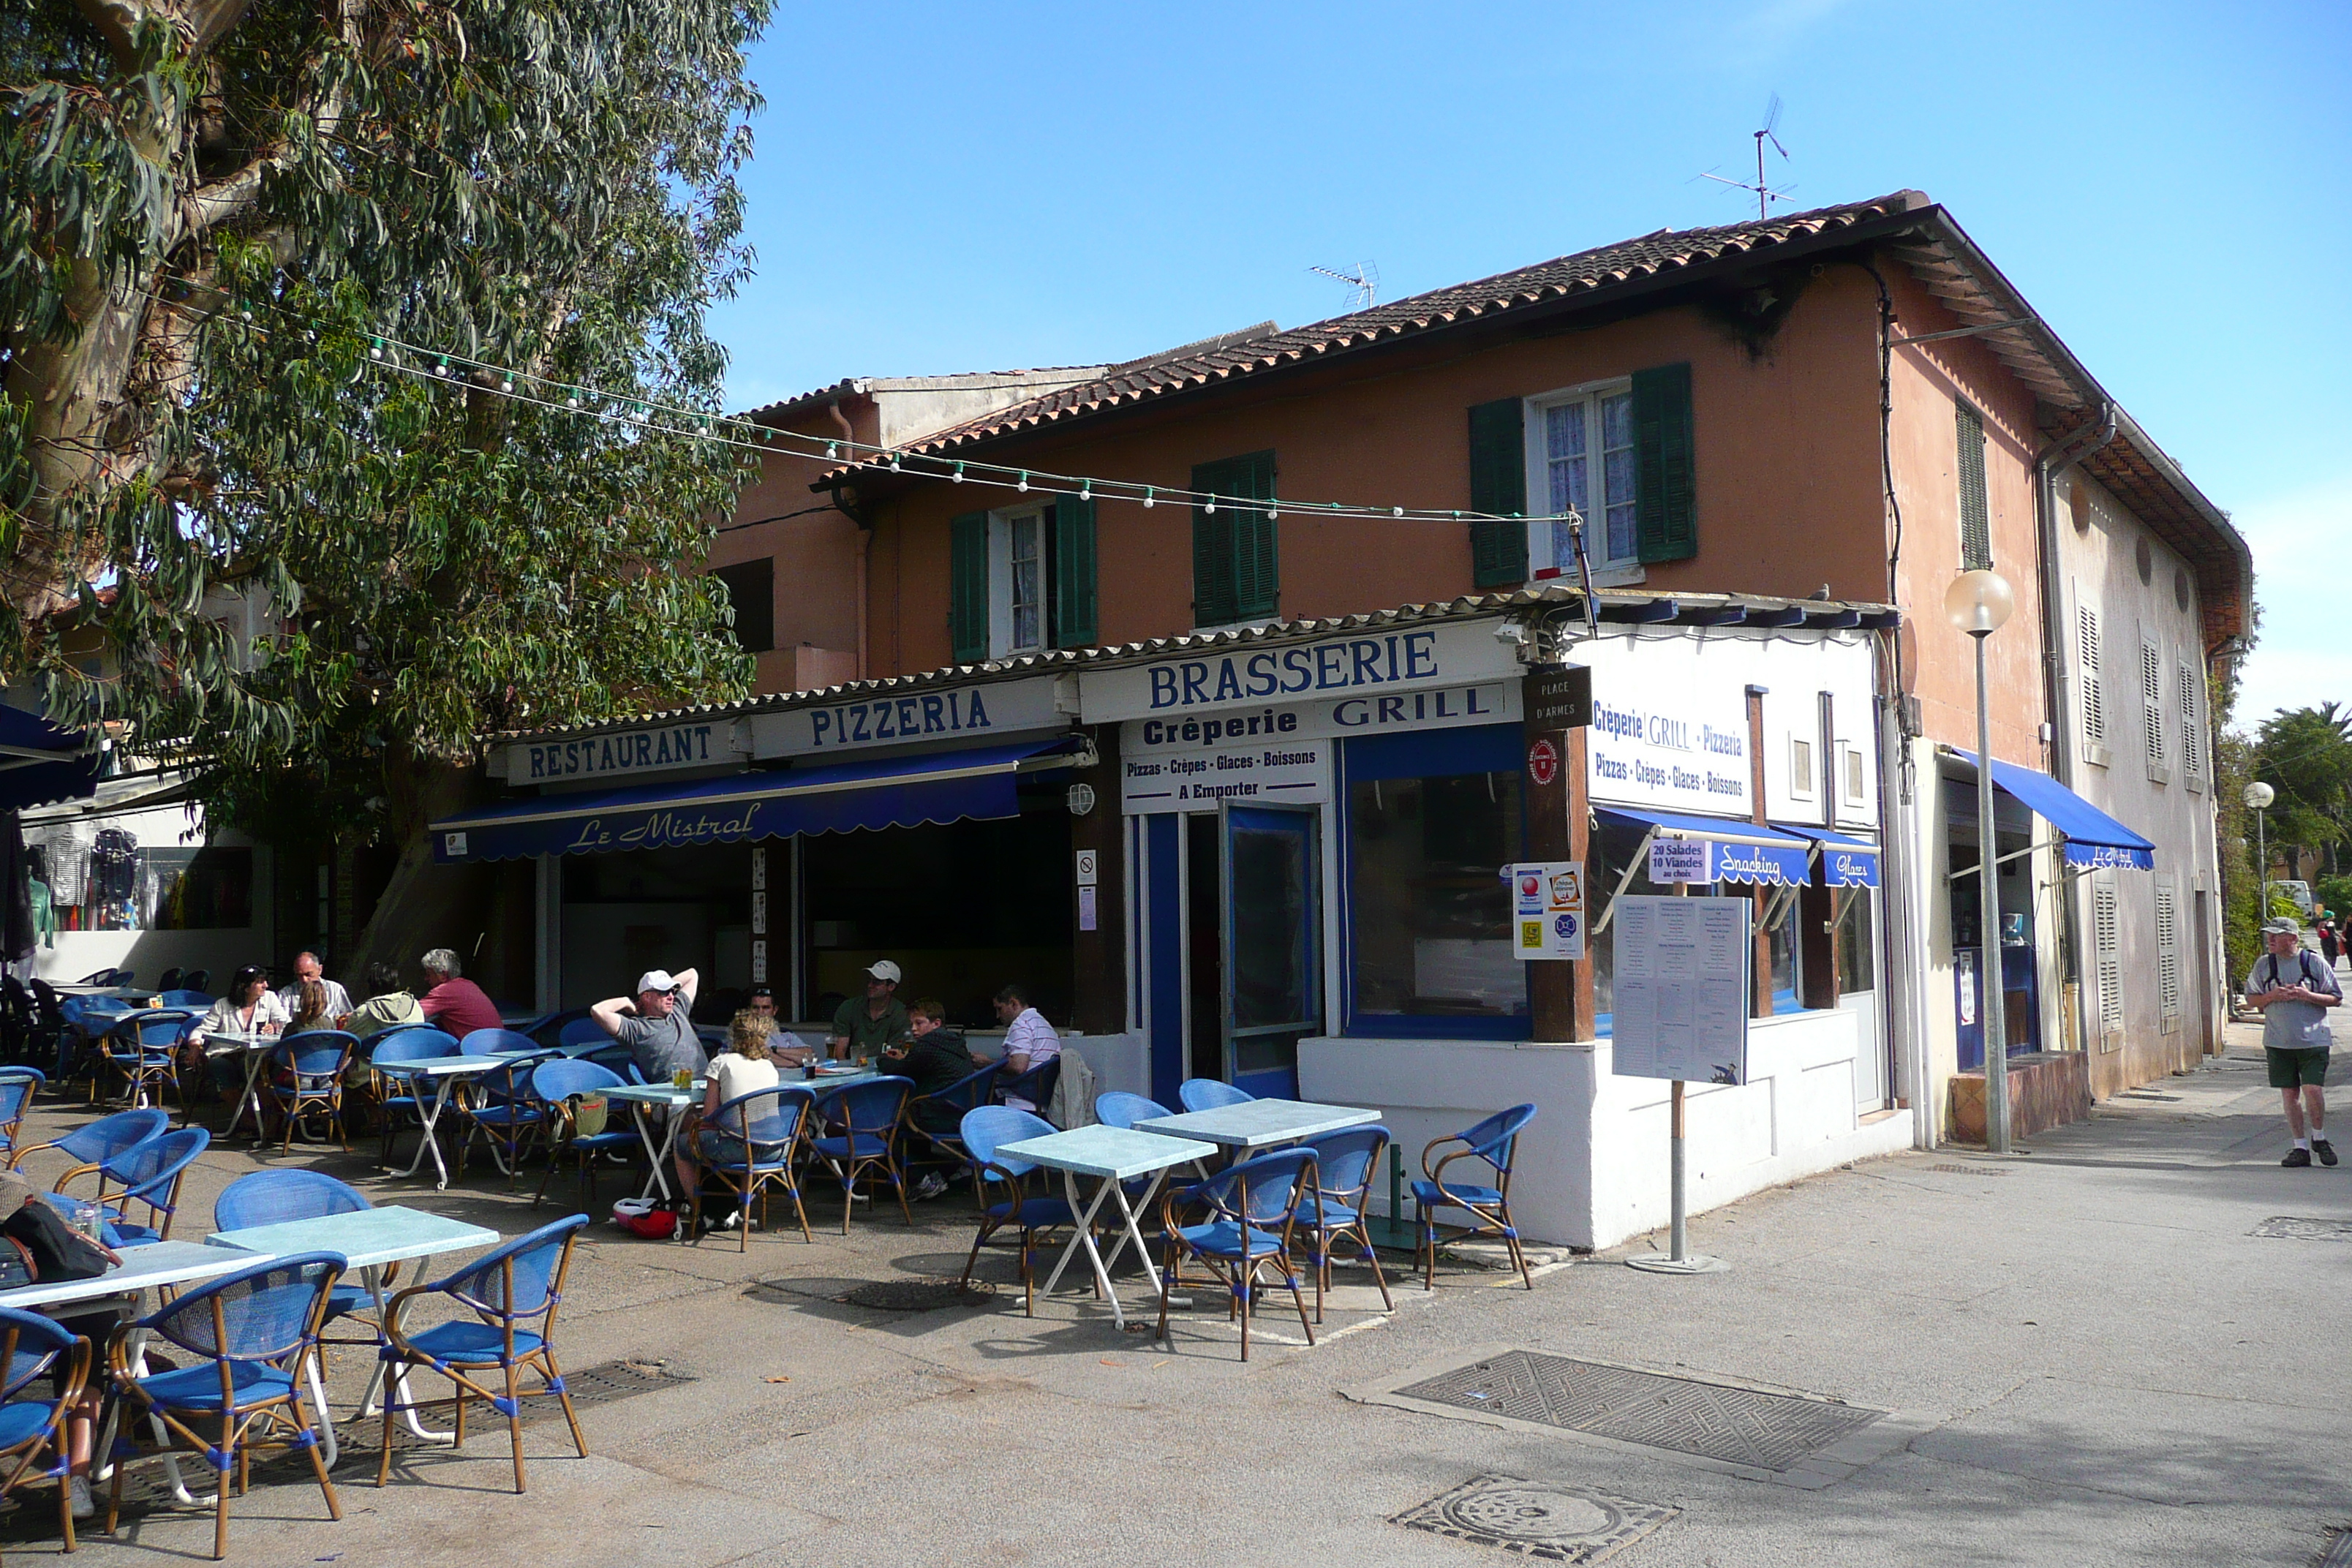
x,y
2259,795
1979,603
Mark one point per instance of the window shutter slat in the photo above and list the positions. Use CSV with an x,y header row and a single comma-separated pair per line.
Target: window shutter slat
x,y
1499,484
1666,483
2192,728
1236,556
2151,701
1976,515
968,587
2095,712
1073,572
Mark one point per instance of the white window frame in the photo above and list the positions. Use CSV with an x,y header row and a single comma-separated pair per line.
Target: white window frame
x,y
1804,767
1001,529
1854,776
1543,562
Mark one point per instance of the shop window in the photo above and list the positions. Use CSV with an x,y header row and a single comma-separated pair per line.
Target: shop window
x,y
1429,927
751,589
105,880
1857,941
1616,847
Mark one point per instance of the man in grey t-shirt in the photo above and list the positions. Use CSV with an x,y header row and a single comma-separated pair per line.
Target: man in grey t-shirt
x,y
655,1025
2295,992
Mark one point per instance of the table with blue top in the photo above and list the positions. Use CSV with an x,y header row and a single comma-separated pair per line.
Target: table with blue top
x,y
368,1240
641,1097
445,1073
1256,1124
1113,1156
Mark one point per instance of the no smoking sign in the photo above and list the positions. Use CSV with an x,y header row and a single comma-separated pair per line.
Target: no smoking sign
x,y
1543,762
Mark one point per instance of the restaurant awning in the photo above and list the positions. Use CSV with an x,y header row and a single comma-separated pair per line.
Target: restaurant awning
x,y
837,797
1845,862
1744,852
2092,838
41,762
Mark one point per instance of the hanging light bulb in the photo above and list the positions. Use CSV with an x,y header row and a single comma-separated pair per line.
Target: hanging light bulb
x,y
508,386
1146,498
376,351
571,402
1396,511
1212,504
894,462
1272,510
958,475
1086,490
1025,481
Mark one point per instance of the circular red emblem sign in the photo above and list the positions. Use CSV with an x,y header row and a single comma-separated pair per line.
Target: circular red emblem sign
x,y
1543,762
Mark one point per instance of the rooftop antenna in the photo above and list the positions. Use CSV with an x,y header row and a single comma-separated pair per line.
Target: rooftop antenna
x,y
1765,195
1363,284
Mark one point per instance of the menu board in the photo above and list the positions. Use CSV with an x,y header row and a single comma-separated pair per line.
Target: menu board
x,y
1680,979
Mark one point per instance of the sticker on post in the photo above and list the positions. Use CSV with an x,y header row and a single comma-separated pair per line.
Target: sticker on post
x,y
1547,908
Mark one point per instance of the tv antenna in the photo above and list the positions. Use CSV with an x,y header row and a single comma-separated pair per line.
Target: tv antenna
x,y
1765,195
1363,284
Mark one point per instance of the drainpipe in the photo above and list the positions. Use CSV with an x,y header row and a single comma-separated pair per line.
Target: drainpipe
x,y
864,538
2054,460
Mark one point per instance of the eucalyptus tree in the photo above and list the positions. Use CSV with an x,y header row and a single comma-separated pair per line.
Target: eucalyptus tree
x,y
237,237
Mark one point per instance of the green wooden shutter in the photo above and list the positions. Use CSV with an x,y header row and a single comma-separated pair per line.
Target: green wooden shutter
x,y
1236,556
1073,572
1665,483
1976,518
1499,485
968,587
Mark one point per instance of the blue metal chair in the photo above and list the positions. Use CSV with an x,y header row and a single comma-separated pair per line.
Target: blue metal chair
x,y
32,1429
144,1048
16,1087
499,1042
1345,1164
1491,1143
149,1173
306,1074
985,1132
98,1140
515,1285
615,1058
1208,1094
195,1001
749,1143
1035,1086
196,980
501,1110
559,1085
275,1197
949,1107
861,1125
1121,1109
1252,1218
400,1095
580,1032
168,979
252,1332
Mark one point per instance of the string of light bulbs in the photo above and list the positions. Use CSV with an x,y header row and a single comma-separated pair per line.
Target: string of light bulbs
x,y
436,367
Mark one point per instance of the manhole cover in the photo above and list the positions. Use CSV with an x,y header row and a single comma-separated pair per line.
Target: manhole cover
x,y
1970,1170
605,1384
1715,1421
1550,1523
2338,1551
2304,1229
920,1295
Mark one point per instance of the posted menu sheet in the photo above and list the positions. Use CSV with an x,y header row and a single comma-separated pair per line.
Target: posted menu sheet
x,y
1680,980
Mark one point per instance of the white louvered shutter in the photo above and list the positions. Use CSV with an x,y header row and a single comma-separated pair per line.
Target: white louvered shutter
x,y
2168,951
2105,948
2094,711
2151,702
2192,725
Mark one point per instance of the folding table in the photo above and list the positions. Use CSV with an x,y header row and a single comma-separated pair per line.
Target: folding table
x,y
444,1072
1113,1156
1256,1124
641,1098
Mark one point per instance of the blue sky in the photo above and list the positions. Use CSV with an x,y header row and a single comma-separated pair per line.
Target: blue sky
x,y
965,187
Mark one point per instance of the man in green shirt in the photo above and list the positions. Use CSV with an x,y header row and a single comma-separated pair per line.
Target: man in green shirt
x,y
867,1027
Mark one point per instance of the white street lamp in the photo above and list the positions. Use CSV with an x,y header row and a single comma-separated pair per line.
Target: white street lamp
x,y
1979,603
2259,795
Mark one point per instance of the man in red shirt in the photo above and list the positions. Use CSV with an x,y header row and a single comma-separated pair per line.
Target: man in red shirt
x,y
455,1005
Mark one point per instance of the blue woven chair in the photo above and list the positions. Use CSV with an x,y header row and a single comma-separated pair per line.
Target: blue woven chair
x,y
195,1001
1035,1086
148,1174
613,1058
986,1132
16,1087
860,1122
1345,1164
558,1085
501,1110
32,1437
98,1140
144,1049
967,1094
1491,1143
306,1075
499,1042
749,1143
1251,1222
400,1095
275,1197
252,1332
517,1284
1121,1109
580,1032
1208,1094
196,980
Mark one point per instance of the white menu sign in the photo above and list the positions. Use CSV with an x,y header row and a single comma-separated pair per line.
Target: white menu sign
x,y
1681,984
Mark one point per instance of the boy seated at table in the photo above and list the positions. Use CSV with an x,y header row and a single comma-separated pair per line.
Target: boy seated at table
x,y
936,1057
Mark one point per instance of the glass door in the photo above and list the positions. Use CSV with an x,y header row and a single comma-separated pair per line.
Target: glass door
x,y
1272,908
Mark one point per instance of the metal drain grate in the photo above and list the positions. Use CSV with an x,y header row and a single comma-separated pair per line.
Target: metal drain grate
x,y
604,1384
2292,1229
2338,1554
1554,1523
1970,1170
1715,1421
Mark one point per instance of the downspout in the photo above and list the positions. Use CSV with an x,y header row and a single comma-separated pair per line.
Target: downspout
x,y
2055,460
865,537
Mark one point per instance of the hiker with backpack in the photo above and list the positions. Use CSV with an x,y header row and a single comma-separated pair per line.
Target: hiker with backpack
x,y
2295,992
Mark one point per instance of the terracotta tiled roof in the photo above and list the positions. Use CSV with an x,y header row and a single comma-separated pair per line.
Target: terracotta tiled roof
x,y
1633,260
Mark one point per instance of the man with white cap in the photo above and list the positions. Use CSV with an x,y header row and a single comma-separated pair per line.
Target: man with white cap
x,y
868,1026
2295,991
656,1025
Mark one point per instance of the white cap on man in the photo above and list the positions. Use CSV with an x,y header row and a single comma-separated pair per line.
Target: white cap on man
x,y
884,970
655,980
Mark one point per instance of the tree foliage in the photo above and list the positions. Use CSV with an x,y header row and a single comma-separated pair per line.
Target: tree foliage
x,y
219,213
2306,755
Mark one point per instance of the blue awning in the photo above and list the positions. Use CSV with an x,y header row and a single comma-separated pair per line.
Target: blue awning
x,y
2092,837
41,763
837,797
1744,851
1845,862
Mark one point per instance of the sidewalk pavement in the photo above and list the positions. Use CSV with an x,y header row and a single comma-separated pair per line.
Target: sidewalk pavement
x,y
2086,1357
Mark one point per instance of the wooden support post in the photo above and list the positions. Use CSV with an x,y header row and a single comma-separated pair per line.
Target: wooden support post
x,y
1816,977
1098,957
1760,967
